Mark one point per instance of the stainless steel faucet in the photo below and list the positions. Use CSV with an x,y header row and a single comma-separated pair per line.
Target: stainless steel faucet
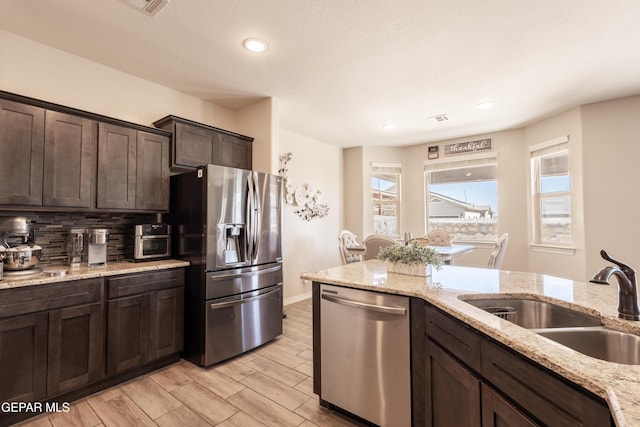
x,y
628,290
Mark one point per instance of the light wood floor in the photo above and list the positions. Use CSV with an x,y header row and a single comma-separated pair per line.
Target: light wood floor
x,y
270,386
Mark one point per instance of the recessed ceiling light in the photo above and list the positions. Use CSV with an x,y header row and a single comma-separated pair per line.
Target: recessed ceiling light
x,y
388,126
485,105
255,45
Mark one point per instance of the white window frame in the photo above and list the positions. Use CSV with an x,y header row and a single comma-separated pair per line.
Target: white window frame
x,y
389,169
537,153
483,159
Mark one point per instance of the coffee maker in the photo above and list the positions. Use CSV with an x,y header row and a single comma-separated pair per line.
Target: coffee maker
x,y
97,247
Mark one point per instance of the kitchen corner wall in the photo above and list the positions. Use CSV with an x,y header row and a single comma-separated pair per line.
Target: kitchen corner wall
x,y
310,245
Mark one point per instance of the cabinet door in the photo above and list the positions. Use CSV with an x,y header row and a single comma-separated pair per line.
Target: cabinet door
x,y
116,167
23,357
21,153
453,393
194,146
497,412
76,344
234,152
152,176
127,333
167,320
69,155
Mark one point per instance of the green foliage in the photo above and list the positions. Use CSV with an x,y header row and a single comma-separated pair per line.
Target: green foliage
x,y
414,253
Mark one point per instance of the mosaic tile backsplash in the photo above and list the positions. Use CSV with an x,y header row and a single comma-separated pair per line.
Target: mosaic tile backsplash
x,y
52,231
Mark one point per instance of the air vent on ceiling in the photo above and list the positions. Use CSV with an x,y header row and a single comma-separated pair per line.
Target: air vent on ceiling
x,y
150,7
439,118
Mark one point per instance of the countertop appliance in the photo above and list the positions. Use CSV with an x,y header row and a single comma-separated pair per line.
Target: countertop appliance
x,y
75,247
151,241
20,254
97,239
365,354
227,223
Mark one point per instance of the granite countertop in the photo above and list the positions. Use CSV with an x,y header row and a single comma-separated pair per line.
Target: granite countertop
x,y
85,272
618,384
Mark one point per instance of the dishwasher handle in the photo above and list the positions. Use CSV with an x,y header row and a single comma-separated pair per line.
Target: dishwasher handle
x,y
400,311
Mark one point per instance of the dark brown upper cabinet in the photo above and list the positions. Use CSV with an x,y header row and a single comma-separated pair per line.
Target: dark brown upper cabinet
x,y
21,153
116,167
133,169
152,172
52,156
69,157
196,144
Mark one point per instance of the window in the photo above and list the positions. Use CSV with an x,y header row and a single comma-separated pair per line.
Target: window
x,y
551,191
385,187
462,198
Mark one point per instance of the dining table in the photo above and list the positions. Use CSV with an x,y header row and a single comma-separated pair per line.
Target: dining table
x,y
448,253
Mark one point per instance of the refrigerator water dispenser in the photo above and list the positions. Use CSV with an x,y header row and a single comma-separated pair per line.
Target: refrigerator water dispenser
x,y
233,238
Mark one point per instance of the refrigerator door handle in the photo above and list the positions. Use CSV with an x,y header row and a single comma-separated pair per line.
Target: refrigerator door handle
x,y
256,216
219,305
250,241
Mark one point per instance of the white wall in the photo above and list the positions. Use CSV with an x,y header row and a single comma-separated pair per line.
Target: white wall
x,y
611,147
311,245
260,121
39,71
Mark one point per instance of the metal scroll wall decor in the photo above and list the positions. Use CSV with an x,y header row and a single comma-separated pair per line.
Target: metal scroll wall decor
x,y
306,197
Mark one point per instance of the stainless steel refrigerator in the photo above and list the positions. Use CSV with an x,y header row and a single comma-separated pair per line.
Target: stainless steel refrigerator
x,y
227,223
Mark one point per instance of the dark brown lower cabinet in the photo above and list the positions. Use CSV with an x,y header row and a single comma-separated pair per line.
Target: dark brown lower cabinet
x,y
148,324
76,347
497,412
453,392
473,381
23,357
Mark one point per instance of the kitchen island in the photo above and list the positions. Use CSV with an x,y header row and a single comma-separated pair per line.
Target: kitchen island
x,y
616,384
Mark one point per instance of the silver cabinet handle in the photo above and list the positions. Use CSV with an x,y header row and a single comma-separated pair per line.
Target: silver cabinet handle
x,y
357,304
243,301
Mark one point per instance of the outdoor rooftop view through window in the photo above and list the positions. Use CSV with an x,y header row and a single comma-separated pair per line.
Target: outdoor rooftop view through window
x,y
462,199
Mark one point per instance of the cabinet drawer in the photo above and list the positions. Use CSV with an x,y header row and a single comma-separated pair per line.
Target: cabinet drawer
x,y
31,299
458,339
133,284
552,400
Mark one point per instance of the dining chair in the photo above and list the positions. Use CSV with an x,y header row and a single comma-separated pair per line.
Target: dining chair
x,y
439,238
374,242
497,254
421,240
350,249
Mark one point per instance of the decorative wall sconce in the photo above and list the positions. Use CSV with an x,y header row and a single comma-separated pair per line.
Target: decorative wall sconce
x,y
306,196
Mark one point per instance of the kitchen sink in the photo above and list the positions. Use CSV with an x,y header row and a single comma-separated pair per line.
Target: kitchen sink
x,y
579,331
599,342
534,314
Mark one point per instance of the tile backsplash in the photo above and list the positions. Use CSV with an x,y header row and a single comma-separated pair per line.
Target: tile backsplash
x,y
52,230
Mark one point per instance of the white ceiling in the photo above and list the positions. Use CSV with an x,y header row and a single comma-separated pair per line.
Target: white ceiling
x,y
342,68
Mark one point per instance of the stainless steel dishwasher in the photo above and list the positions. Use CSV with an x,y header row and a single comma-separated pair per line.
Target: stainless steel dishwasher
x,y
365,354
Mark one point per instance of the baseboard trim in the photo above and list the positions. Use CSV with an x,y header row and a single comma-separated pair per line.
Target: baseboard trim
x,y
297,298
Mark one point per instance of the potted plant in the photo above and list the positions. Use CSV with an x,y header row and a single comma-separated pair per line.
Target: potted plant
x,y
414,259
